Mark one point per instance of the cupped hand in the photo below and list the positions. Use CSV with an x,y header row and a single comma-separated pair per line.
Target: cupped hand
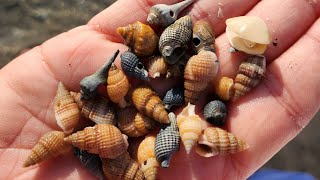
x,y
267,118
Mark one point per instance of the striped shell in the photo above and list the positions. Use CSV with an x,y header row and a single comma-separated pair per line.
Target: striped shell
x,y
50,145
214,141
224,88
132,66
215,112
157,66
103,139
173,97
149,103
249,75
174,39
66,111
140,37
203,37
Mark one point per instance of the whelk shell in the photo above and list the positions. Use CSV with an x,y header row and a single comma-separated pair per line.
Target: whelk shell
x,y
173,97
224,88
215,112
157,66
132,66
203,37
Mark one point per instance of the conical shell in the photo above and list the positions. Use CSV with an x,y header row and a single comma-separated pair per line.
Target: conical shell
x,y
133,123
103,139
173,97
122,168
224,88
174,39
214,141
215,112
148,103
132,66
147,158
67,113
203,37
249,34
118,86
249,75
50,145
157,66
199,71
140,37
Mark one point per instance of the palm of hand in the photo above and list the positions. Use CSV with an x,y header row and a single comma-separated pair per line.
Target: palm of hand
x,y
266,119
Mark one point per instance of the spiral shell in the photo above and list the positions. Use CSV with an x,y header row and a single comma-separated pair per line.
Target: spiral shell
x,y
173,97
122,168
140,37
199,71
103,139
148,103
133,123
224,88
214,141
133,67
50,145
157,66
167,142
215,112
67,113
249,34
249,75
203,37
174,39
147,158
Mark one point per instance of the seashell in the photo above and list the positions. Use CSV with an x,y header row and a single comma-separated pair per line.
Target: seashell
x,y
148,103
177,69
214,141
89,85
203,37
224,88
249,75
167,142
122,168
157,66
91,162
174,39
133,123
140,37
199,71
118,86
147,158
173,97
50,145
133,67
103,139
215,112
162,14
66,111
249,34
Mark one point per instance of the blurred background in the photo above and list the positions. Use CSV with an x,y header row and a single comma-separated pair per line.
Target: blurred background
x,y
27,23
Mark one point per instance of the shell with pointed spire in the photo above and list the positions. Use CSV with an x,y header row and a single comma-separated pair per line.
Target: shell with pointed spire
x,y
214,141
132,66
50,145
224,88
173,97
215,112
203,37
157,66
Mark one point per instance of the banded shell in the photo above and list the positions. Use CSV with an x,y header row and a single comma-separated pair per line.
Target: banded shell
x,y
157,66
224,88
174,39
203,37
50,145
133,123
199,71
215,112
173,97
67,113
89,85
249,75
147,158
149,103
103,139
164,15
214,141
91,162
249,34
167,142
122,168
132,66
118,86
140,37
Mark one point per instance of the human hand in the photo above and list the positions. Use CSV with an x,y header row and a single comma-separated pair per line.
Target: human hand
x,y
267,118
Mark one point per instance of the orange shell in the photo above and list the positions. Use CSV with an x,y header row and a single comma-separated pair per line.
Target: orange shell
x,y
224,88
157,66
203,36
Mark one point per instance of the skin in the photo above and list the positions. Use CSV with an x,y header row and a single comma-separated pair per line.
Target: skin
x,y
267,118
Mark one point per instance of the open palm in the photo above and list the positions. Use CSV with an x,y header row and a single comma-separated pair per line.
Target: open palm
x,y
267,118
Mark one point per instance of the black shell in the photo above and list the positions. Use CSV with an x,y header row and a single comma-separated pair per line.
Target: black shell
x,y
132,66
215,112
174,97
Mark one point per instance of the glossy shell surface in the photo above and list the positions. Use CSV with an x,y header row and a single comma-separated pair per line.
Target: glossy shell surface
x,y
224,88
132,66
203,37
215,112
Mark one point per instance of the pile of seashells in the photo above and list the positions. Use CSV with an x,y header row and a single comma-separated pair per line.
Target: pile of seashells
x,y
136,111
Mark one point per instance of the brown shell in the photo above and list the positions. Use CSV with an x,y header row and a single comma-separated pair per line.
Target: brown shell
x,y
203,36
140,37
67,113
122,168
148,103
157,66
214,141
224,88
133,123
50,145
103,139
